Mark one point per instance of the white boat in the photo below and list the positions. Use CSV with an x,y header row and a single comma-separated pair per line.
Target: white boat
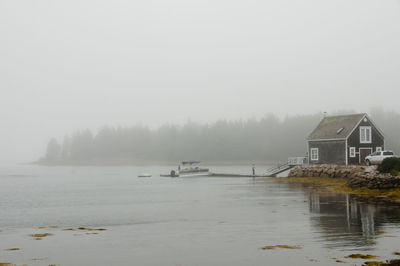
x,y
189,168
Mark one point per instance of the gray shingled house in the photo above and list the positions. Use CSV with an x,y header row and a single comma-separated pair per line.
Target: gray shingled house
x,y
344,139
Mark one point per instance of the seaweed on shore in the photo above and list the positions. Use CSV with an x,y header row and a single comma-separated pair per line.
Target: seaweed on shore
x,y
38,259
45,227
340,185
374,263
84,229
280,246
395,262
40,235
91,229
361,256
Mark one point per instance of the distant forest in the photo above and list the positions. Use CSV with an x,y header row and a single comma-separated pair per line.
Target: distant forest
x,y
268,140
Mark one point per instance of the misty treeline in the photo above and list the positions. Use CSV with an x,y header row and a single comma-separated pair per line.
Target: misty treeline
x,y
269,139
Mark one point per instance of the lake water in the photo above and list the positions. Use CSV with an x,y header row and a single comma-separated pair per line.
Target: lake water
x,y
182,221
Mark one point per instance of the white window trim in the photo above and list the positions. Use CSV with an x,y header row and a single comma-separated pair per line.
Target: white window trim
x,y
316,158
368,138
378,149
352,152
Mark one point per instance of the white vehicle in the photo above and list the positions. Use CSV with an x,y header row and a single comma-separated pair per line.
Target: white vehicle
x,y
377,157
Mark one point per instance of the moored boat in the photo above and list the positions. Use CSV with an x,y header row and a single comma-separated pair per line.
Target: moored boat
x,y
189,168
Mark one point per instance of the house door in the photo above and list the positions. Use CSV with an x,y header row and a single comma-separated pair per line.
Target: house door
x,y
364,152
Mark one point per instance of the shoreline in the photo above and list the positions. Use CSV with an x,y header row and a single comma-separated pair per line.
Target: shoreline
x,y
147,163
340,185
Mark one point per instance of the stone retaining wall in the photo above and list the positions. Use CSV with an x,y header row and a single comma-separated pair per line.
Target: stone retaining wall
x,y
358,176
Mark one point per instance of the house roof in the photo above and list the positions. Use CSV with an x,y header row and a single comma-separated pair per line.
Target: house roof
x,y
336,127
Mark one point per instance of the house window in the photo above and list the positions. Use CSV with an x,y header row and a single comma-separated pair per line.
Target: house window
x,y
365,134
352,152
314,154
378,148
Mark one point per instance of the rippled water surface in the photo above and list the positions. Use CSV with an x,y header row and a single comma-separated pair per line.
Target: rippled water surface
x,y
182,221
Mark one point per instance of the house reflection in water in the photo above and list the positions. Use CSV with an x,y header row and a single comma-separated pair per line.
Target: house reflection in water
x,y
344,221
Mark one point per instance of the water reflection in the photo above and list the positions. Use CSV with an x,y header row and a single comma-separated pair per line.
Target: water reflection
x,y
342,220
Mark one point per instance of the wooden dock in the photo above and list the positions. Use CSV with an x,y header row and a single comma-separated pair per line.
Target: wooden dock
x,y
272,172
233,175
217,175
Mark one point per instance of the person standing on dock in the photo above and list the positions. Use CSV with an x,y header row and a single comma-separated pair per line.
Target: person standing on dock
x,y
253,168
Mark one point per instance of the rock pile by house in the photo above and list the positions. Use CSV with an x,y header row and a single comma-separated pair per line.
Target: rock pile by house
x,y
326,170
374,180
358,176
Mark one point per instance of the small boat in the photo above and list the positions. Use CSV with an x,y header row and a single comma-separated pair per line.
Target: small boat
x,y
189,168
144,175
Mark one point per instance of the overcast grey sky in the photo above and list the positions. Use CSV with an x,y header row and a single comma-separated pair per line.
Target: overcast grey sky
x,y
67,65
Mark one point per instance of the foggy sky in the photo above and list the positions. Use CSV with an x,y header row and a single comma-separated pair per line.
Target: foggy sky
x,y
68,65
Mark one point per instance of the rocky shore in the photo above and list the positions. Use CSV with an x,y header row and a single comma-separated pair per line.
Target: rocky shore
x,y
357,176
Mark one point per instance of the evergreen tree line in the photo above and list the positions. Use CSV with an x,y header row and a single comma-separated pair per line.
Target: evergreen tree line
x,y
269,139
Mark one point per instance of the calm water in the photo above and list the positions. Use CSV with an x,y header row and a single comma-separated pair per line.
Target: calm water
x,y
182,221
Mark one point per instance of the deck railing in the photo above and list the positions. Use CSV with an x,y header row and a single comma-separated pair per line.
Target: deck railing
x,y
278,168
297,160
291,162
